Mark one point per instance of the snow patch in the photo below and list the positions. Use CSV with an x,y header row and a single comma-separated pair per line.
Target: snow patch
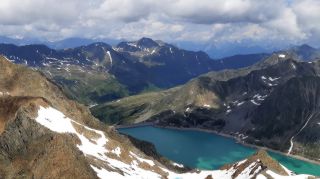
x,y
241,162
54,120
58,122
254,102
103,173
177,164
289,172
12,61
277,176
225,174
282,56
260,176
273,79
133,45
150,162
270,80
110,57
92,105
247,172
117,151
6,93
258,97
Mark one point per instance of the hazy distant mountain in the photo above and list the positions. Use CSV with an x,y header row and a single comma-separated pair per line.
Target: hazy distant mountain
x,y
19,41
226,49
60,44
69,43
305,52
76,42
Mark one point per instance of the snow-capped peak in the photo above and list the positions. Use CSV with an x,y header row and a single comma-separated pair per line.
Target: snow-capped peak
x,y
282,56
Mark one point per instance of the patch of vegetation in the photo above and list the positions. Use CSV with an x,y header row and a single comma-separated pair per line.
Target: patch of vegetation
x,y
126,110
88,87
150,88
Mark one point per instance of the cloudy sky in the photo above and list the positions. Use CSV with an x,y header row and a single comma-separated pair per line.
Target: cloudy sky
x,y
214,21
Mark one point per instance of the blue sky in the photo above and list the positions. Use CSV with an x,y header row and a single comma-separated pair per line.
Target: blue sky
x,y
216,22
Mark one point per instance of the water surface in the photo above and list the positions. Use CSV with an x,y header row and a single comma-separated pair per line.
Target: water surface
x,y
206,150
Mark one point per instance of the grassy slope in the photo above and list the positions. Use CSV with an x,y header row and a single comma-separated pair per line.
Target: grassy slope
x,y
141,107
87,87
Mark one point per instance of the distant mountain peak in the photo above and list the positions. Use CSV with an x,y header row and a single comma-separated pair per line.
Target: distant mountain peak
x,y
99,44
276,58
305,47
145,42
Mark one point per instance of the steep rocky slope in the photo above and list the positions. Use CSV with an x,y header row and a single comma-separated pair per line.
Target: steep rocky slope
x,y
45,135
293,106
272,103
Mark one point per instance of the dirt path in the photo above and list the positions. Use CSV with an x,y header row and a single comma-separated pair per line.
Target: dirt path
x,y
291,140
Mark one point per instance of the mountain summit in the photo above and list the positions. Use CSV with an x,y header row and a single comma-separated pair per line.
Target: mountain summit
x,y
147,43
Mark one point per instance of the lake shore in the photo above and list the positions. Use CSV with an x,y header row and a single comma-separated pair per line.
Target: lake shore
x,y
134,125
238,140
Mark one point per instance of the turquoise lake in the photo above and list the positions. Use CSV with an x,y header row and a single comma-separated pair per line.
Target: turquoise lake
x,y
206,150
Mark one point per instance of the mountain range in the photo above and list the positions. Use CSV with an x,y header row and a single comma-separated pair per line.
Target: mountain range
x,y
98,72
43,134
215,51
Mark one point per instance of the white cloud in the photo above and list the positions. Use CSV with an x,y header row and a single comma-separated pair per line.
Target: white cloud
x,y
308,16
222,11
193,20
286,26
17,12
121,10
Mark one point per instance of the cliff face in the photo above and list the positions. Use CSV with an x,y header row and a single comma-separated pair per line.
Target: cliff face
x,y
291,113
